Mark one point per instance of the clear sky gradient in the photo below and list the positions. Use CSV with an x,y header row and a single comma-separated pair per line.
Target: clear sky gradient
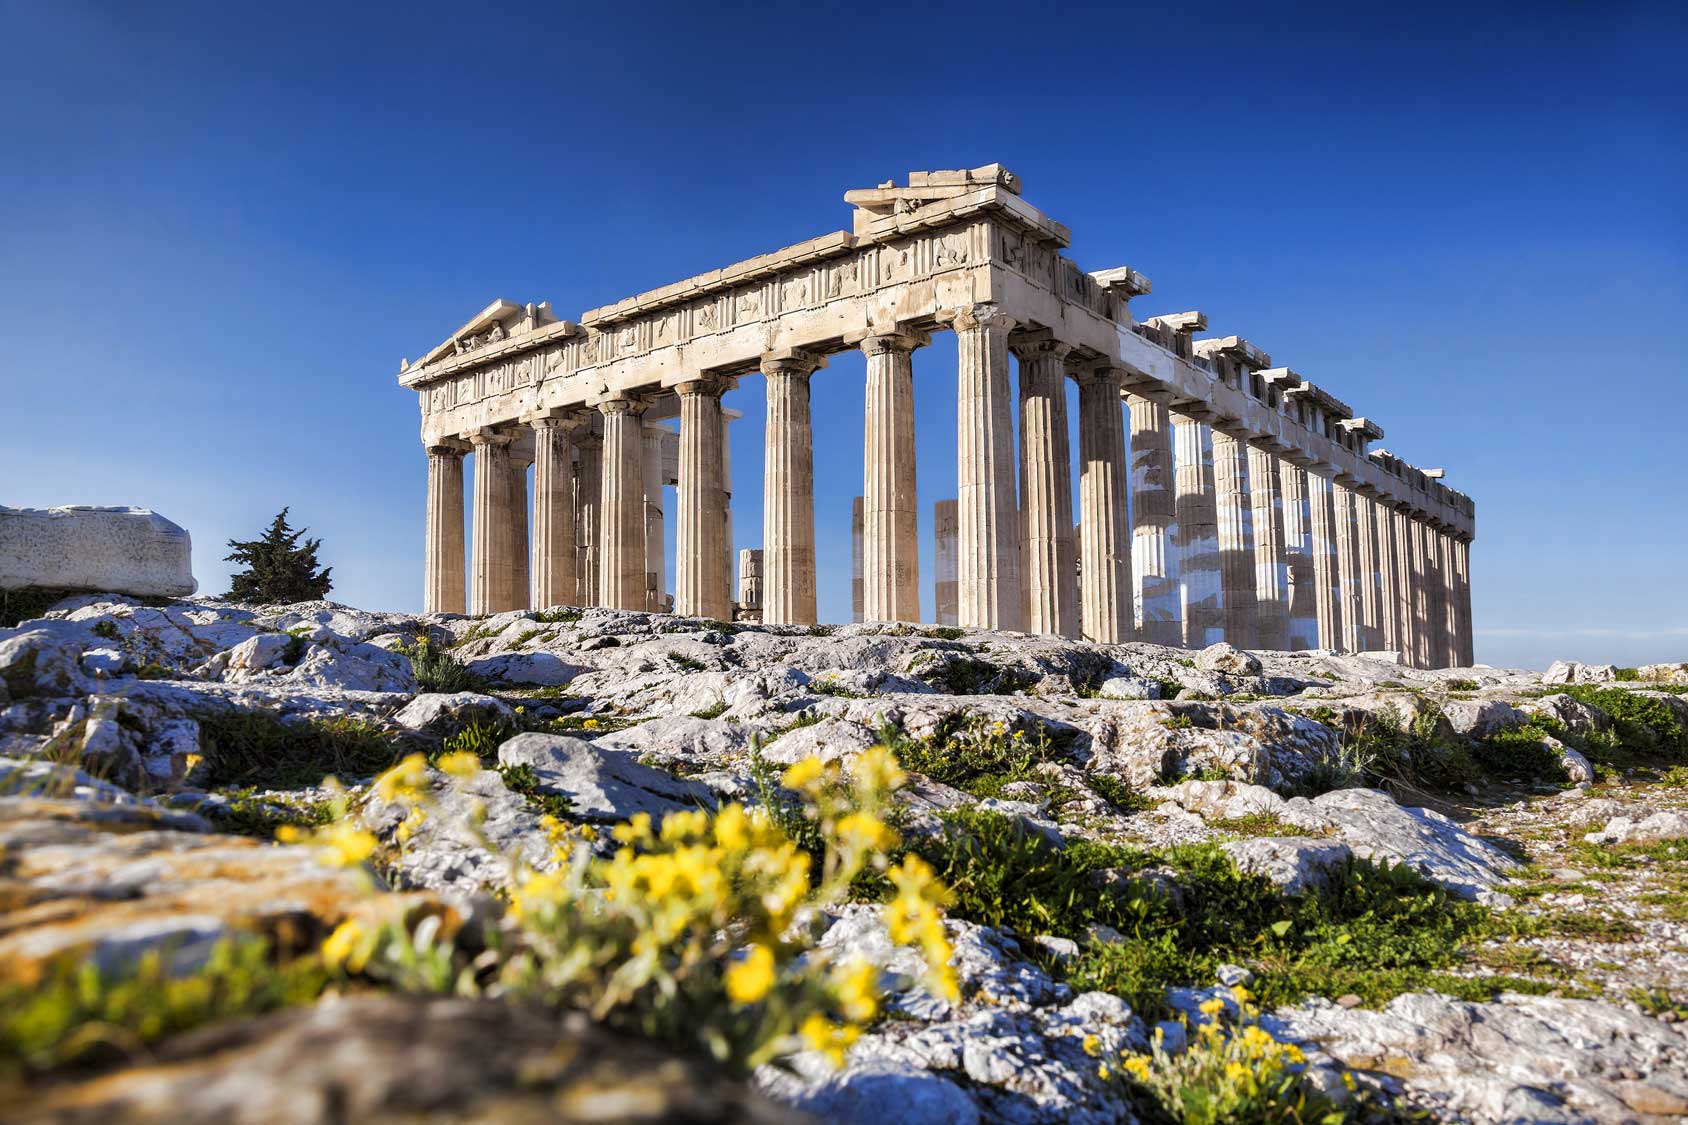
x,y
221,226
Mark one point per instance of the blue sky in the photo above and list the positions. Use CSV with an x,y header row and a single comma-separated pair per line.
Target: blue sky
x,y
222,226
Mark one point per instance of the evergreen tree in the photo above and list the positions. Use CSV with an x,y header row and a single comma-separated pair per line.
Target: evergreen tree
x,y
279,570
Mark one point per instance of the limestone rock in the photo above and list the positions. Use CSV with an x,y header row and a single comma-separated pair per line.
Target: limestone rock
x,y
127,550
396,1058
1570,672
1129,687
600,783
828,740
1579,717
1666,824
443,853
1229,659
1479,718
1578,770
1375,827
541,668
1296,864
441,713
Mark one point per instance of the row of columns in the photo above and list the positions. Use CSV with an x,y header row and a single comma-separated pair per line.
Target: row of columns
x,y
1220,539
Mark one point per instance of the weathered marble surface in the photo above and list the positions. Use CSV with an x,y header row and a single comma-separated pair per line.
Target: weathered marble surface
x,y
126,550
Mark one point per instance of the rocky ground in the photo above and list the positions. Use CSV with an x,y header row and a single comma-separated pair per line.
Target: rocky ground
x,y
1461,893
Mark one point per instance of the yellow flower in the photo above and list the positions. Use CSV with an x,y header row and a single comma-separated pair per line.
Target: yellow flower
x,y
865,832
802,774
1137,1066
1212,1008
291,834
749,978
460,764
1092,1045
346,947
858,992
411,823
1237,1072
636,830
520,710
830,1039
346,845
876,770
589,724
403,780
1102,1071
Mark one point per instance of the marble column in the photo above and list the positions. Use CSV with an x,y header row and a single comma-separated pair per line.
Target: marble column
x,y
729,557
555,578
1348,568
521,586
1437,601
1048,572
621,541
987,517
489,569
1197,532
1301,604
1271,564
1424,637
1405,625
1462,572
1235,520
890,518
1156,596
700,587
1366,571
1103,503
588,492
752,587
857,550
656,566
788,492
1327,574
1389,597
443,578
943,560
1450,598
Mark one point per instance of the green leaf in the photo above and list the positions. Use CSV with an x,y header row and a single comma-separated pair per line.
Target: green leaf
x,y
1279,929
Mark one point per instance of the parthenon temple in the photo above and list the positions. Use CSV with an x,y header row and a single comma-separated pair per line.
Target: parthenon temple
x,y
1219,497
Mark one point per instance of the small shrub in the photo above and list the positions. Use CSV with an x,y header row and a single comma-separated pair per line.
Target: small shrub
x,y
1644,728
522,779
974,754
26,603
437,670
1118,793
108,630
946,633
256,748
686,663
829,686
1461,685
714,711
563,615
822,630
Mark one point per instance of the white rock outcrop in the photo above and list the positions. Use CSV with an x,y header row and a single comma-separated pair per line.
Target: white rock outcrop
x,y
127,550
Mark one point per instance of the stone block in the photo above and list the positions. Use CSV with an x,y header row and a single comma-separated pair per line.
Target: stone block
x,y
121,550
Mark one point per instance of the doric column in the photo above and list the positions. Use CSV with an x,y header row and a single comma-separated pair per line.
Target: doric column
x,y
1462,571
788,492
1197,532
890,518
621,552
1438,601
555,580
1235,519
1103,516
1452,647
751,588
521,586
700,587
489,568
1302,606
1389,596
442,578
651,437
588,497
1348,566
1424,639
943,560
988,547
1367,572
1157,600
1327,577
1405,625
1271,564
857,564
729,556
1048,572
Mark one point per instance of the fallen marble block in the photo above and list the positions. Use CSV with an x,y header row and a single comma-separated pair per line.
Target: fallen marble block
x,y
122,550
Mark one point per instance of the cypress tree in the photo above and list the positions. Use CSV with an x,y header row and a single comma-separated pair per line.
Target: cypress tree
x,y
279,568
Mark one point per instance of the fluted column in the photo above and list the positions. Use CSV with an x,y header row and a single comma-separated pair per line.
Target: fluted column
x,y
1048,571
700,587
1271,565
520,584
1405,624
988,548
1462,570
443,577
1156,596
1424,634
588,493
555,581
1302,606
1366,571
1327,576
1438,597
858,550
651,437
1348,566
1450,598
621,554
943,561
1103,516
489,568
890,518
1235,521
1198,532
788,492
1389,575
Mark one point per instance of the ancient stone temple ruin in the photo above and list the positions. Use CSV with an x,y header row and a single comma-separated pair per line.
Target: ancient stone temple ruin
x,y
1220,497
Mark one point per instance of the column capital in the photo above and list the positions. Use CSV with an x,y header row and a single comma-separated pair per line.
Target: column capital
x,y
874,341
1100,375
791,361
447,447
985,315
555,418
713,386
488,435
1035,342
623,404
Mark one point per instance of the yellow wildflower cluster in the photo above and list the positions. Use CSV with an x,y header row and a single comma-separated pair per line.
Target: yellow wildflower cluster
x,y
341,843
1232,1070
702,927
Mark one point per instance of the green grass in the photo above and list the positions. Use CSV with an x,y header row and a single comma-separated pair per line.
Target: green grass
x,y
1645,730
715,711
946,633
523,780
686,663
828,686
968,675
256,748
562,616
1376,932
1461,685
974,754
1118,793
247,814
